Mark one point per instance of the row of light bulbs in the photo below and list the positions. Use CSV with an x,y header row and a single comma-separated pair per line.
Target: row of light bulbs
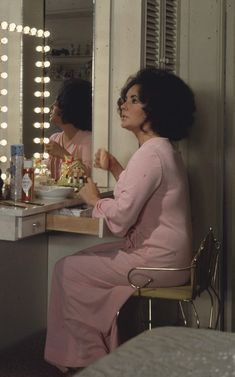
x,y
24,29
12,27
41,94
3,92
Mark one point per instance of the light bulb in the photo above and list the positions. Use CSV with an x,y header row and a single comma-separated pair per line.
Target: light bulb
x,y
26,30
46,125
46,93
19,28
37,125
4,125
4,25
46,140
4,75
12,26
39,48
40,33
3,92
33,31
4,40
4,58
47,48
36,140
39,64
38,79
46,79
37,94
36,155
3,159
37,110
46,110
46,34
3,142
47,64
4,109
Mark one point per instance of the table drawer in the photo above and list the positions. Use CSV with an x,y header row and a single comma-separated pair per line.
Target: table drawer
x,y
73,224
30,225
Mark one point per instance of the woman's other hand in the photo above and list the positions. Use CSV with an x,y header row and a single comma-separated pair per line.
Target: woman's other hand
x,y
90,193
54,149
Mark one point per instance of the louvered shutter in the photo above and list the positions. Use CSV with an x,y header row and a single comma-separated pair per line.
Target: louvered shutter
x,y
160,38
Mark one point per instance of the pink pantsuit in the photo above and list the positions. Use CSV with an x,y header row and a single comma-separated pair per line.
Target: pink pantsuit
x,y
80,147
151,211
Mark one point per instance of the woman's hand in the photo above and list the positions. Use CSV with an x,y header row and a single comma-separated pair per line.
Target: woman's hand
x,y
106,161
102,158
90,193
55,150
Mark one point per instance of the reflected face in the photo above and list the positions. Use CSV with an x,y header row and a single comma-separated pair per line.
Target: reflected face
x,y
55,117
133,116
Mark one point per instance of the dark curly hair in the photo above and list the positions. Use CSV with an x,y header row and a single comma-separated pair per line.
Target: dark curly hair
x,y
75,103
168,102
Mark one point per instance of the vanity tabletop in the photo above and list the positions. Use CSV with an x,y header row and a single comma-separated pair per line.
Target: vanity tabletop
x,y
21,209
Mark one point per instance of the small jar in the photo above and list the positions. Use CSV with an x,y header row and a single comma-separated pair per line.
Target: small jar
x,y
28,181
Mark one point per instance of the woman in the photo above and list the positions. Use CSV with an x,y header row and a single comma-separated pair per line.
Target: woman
x,y
71,112
150,210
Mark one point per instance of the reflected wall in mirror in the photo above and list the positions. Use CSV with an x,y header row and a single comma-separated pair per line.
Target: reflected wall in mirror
x,y
70,24
71,40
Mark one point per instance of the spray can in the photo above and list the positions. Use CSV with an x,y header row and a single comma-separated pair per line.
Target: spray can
x,y
16,167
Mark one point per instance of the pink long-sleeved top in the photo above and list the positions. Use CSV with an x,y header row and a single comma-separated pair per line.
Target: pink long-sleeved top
x,y
151,206
80,147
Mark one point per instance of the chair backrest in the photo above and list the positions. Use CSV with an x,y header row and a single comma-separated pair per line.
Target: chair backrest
x,y
205,263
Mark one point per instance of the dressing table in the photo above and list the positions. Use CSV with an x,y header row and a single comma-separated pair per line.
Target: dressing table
x,y
20,220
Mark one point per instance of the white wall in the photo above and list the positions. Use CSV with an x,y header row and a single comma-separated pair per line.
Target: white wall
x,y
117,55
202,36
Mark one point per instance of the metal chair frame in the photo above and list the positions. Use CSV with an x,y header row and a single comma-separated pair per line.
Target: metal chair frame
x,y
203,275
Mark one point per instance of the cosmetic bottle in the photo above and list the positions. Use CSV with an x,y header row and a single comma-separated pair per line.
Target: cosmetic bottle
x,y
28,181
16,167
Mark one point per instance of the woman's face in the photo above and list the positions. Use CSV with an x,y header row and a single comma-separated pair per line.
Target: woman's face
x,y
55,117
133,116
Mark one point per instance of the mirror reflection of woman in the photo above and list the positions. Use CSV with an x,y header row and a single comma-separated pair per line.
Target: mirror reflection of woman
x,y
72,113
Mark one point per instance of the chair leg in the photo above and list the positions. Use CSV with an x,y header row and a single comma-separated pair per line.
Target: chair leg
x,y
195,313
211,309
150,313
219,307
182,313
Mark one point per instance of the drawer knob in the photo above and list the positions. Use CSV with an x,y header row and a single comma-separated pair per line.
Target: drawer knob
x,y
36,225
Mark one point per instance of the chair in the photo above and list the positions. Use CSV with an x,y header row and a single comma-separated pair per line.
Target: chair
x,y
203,272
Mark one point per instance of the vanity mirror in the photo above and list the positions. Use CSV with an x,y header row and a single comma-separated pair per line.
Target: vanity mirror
x,y
71,42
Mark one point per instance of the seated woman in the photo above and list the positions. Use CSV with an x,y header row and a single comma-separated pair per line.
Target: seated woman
x,y
72,113
150,211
